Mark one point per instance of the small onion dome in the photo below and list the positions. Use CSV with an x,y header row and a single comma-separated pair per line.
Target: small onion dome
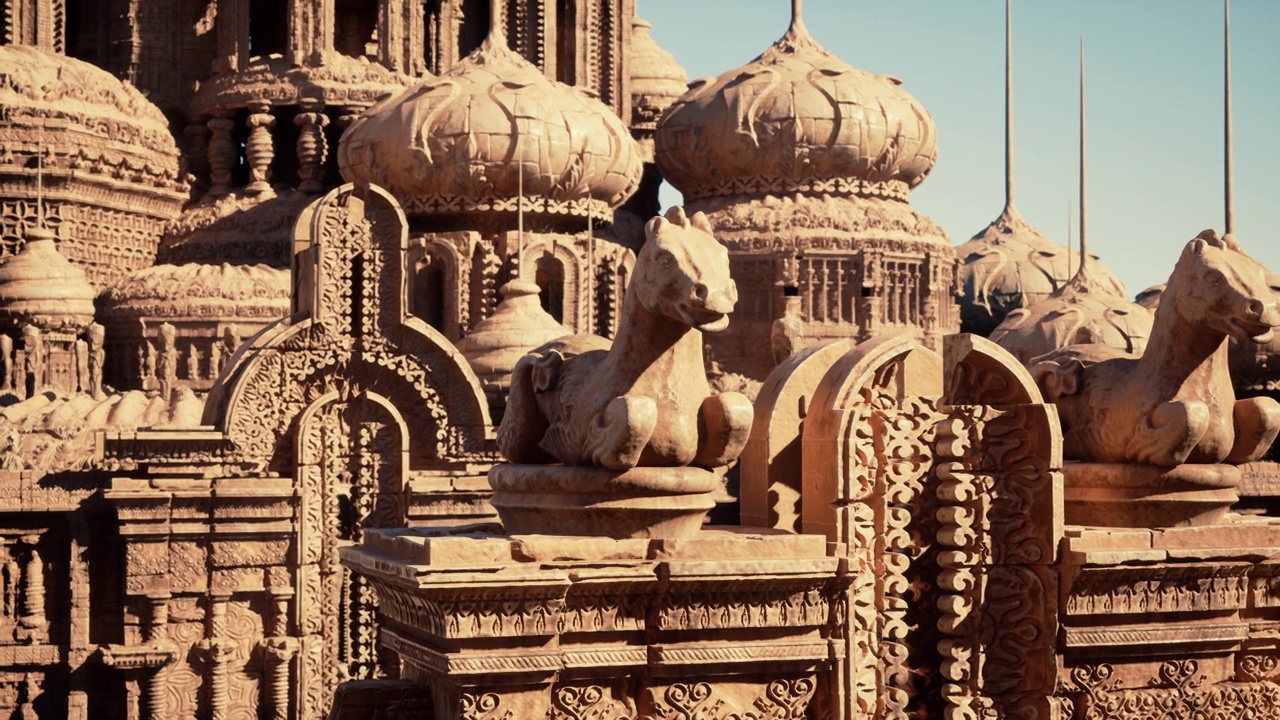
x,y
40,287
1011,265
337,81
796,120
518,325
1084,311
657,81
1150,298
199,292
467,143
238,227
110,167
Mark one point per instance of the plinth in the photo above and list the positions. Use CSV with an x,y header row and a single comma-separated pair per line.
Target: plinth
x,y
643,502
1147,496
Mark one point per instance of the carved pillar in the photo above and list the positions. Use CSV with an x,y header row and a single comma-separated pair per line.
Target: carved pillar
x,y
217,651
156,634
32,626
312,147
222,155
279,647
258,150
196,135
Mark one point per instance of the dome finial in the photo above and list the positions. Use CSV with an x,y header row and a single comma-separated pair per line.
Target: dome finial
x,y
1084,209
497,36
797,20
1227,149
1008,105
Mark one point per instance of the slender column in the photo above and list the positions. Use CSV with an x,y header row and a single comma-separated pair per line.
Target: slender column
x,y
259,150
217,652
279,652
222,155
156,633
312,147
196,135
33,624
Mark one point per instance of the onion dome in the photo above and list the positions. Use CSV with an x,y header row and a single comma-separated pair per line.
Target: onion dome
x,y
518,325
198,292
110,166
1150,298
657,81
796,120
1011,265
1083,311
467,144
236,227
40,287
337,81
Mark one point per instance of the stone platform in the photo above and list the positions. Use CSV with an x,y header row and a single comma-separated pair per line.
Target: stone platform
x,y
726,621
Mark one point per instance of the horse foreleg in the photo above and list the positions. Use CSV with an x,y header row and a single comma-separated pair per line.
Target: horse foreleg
x,y
1257,422
1168,435
724,424
621,432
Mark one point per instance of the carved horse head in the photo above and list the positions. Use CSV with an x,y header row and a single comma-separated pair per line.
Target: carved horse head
x,y
1222,288
682,272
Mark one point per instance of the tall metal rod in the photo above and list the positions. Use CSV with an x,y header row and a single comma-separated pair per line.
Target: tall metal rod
x,y
1008,104
1228,149
1084,199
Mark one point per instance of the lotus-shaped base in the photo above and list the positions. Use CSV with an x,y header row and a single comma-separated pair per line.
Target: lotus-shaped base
x,y
1146,496
643,502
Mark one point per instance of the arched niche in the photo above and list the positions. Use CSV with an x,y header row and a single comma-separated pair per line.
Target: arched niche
x,y
351,467
867,473
885,373
771,478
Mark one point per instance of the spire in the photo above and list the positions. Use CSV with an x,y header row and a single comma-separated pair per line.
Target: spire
x,y
1068,237
797,21
497,36
1084,209
1008,104
1228,150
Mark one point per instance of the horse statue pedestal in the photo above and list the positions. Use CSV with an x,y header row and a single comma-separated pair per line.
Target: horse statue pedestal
x,y
643,502
1148,496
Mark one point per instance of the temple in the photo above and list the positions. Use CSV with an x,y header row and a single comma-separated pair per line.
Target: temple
x,y
350,369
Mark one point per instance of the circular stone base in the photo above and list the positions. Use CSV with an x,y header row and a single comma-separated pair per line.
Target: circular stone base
x,y
1146,496
643,502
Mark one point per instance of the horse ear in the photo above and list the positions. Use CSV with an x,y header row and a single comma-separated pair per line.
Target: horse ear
x,y
675,215
654,225
701,222
1210,237
1231,243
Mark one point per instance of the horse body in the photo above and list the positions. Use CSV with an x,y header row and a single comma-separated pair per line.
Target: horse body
x,y
1176,403
645,400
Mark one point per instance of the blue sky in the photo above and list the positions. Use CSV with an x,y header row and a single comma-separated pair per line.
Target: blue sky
x,y
1154,70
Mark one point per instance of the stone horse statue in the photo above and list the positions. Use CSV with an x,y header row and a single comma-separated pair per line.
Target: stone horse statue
x,y
1175,404
645,401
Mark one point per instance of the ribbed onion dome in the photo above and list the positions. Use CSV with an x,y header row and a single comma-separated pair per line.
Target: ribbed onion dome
x,y
110,164
657,81
517,325
796,120
1085,310
1012,265
40,287
469,142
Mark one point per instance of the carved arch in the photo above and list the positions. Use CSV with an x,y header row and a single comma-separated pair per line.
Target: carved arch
x,y
350,252
867,456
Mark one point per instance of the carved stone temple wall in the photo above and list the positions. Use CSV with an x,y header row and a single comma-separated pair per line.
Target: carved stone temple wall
x,y
962,589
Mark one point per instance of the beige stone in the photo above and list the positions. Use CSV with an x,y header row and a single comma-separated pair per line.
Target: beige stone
x,y
1175,403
